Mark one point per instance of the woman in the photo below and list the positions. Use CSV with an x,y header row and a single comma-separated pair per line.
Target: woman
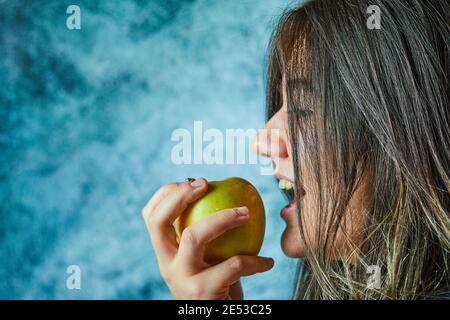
x,y
364,120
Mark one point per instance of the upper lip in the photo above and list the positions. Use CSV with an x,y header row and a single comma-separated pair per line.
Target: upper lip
x,y
279,176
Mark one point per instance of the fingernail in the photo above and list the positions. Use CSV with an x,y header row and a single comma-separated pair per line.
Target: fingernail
x,y
197,183
243,211
270,262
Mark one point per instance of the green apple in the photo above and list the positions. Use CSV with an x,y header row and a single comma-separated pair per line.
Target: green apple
x,y
229,193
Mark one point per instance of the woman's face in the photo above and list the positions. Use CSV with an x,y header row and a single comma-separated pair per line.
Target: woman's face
x,y
273,142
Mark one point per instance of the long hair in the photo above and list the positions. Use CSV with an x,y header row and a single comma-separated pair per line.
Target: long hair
x,y
369,106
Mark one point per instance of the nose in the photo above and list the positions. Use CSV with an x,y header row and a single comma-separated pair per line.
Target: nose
x,y
271,141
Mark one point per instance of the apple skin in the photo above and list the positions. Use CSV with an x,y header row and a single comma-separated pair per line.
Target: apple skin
x,y
229,193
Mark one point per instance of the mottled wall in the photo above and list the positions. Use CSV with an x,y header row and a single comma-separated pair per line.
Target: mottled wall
x,y
85,123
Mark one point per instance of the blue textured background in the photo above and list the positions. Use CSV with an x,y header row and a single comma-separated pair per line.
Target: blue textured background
x,y
85,124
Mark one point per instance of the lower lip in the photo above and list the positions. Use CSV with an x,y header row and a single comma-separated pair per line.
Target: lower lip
x,y
288,209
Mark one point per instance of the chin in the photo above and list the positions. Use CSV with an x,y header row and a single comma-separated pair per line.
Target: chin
x,y
291,244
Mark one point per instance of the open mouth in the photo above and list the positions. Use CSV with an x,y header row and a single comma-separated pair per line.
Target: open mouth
x,y
287,188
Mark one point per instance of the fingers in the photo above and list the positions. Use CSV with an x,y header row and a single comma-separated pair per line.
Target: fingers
x,y
230,271
177,263
196,236
236,292
162,210
171,200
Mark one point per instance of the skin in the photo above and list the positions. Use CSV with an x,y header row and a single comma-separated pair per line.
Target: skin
x,y
187,275
349,235
181,266
277,147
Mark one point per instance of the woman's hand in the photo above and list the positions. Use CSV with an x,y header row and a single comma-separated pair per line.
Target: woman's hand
x,y
182,266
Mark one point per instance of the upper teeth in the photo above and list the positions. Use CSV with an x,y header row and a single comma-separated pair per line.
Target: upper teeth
x,y
285,184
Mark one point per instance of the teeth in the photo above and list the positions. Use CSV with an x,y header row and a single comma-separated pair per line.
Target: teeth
x,y
288,185
285,184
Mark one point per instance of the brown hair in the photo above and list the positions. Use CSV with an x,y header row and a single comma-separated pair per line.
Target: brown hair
x,y
370,105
